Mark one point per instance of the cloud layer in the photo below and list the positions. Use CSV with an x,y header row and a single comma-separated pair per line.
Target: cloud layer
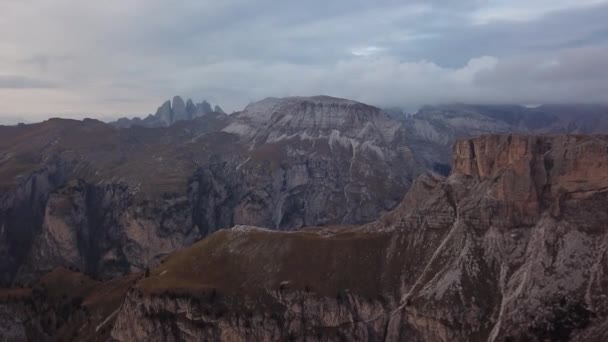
x,y
117,57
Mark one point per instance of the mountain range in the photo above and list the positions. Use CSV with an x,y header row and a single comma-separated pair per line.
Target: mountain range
x,y
508,225
511,246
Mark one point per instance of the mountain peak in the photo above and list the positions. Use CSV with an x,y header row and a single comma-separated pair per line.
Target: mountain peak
x,y
170,112
320,105
179,109
313,117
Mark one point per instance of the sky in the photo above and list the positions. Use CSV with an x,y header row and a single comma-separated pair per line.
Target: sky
x,y
113,58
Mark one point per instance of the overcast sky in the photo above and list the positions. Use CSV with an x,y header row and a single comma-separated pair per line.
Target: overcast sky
x,y
77,58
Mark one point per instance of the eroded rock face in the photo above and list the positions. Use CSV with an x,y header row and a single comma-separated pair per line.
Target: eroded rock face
x,y
320,159
164,113
111,201
62,305
434,129
511,246
101,230
13,315
178,109
169,113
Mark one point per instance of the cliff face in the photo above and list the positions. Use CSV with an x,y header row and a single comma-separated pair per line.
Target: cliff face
x,y
435,129
13,314
170,112
511,246
62,305
111,201
320,160
528,245
103,230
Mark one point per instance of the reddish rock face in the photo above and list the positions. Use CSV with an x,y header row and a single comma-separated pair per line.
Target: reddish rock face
x,y
572,162
528,173
515,166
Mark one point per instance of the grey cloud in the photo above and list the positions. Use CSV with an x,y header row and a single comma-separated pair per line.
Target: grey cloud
x,y
130,55
574,75
22,82
460,41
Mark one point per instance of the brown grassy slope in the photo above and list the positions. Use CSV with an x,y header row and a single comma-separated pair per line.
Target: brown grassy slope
x,y
323,261
376,259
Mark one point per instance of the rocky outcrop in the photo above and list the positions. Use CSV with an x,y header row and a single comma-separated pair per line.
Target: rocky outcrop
x,y
14,314
178,110
62,305
205,107
434,129
101,230
165,113
347,161
218,109
297,315
169,113
511,246
22,213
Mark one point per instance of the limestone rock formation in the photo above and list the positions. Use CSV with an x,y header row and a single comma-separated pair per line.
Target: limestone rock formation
x,y
347,160
190,108
204,107
434,129
178,110
510,247
165,114
170,113
62,305
218,109
110,201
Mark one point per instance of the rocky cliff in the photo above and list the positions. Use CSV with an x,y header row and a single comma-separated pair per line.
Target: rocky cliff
x,y
434,129
511,246
320,160
64,305
111,201
169,113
